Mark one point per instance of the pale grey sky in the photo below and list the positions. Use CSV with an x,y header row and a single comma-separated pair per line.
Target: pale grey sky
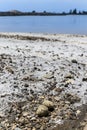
x,y
41,5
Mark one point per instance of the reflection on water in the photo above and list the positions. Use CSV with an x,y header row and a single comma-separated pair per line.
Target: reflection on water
x,y
44,24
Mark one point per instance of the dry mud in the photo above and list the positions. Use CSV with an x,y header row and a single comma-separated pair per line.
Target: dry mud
x,y
38,67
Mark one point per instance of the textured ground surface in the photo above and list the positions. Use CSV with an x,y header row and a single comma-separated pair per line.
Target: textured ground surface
x,y
38,67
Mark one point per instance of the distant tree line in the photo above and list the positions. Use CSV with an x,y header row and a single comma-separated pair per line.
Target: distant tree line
x,y
71,12
75,12
44,13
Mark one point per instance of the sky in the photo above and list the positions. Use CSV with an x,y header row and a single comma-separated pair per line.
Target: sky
x,y
43,5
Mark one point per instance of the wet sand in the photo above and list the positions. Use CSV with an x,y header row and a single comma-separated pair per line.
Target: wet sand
x,y
38,67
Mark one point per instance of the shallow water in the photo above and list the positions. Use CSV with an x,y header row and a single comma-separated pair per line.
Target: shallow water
x,y
44,24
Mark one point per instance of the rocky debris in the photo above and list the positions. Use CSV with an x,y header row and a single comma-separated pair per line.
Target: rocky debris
x,y
71,98
26,78
9,69
69,76
58,89
4,59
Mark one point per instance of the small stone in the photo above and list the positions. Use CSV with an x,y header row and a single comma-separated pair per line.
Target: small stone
x,y
31,91
78,112
42,111
41,97
26,85
9,69
69,81
67,102
57,98
25,113
84,79
69,76
34,128
48,104
26,78
74,61
48,75
33,119
13,127
17,128
22,120
59,89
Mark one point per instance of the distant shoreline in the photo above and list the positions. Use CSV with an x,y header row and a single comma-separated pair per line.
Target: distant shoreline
x,y
34,13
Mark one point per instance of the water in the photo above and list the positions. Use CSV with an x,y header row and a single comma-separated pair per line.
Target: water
x,y
44,24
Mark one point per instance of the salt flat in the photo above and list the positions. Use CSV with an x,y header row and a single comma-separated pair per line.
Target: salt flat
x,y
34,67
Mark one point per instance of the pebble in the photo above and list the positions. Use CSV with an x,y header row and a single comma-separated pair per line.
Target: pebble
x,y
70,76
9,69
78,112
25,113
74,61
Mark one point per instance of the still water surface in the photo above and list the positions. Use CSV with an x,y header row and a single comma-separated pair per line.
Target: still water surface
x,y
44,24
